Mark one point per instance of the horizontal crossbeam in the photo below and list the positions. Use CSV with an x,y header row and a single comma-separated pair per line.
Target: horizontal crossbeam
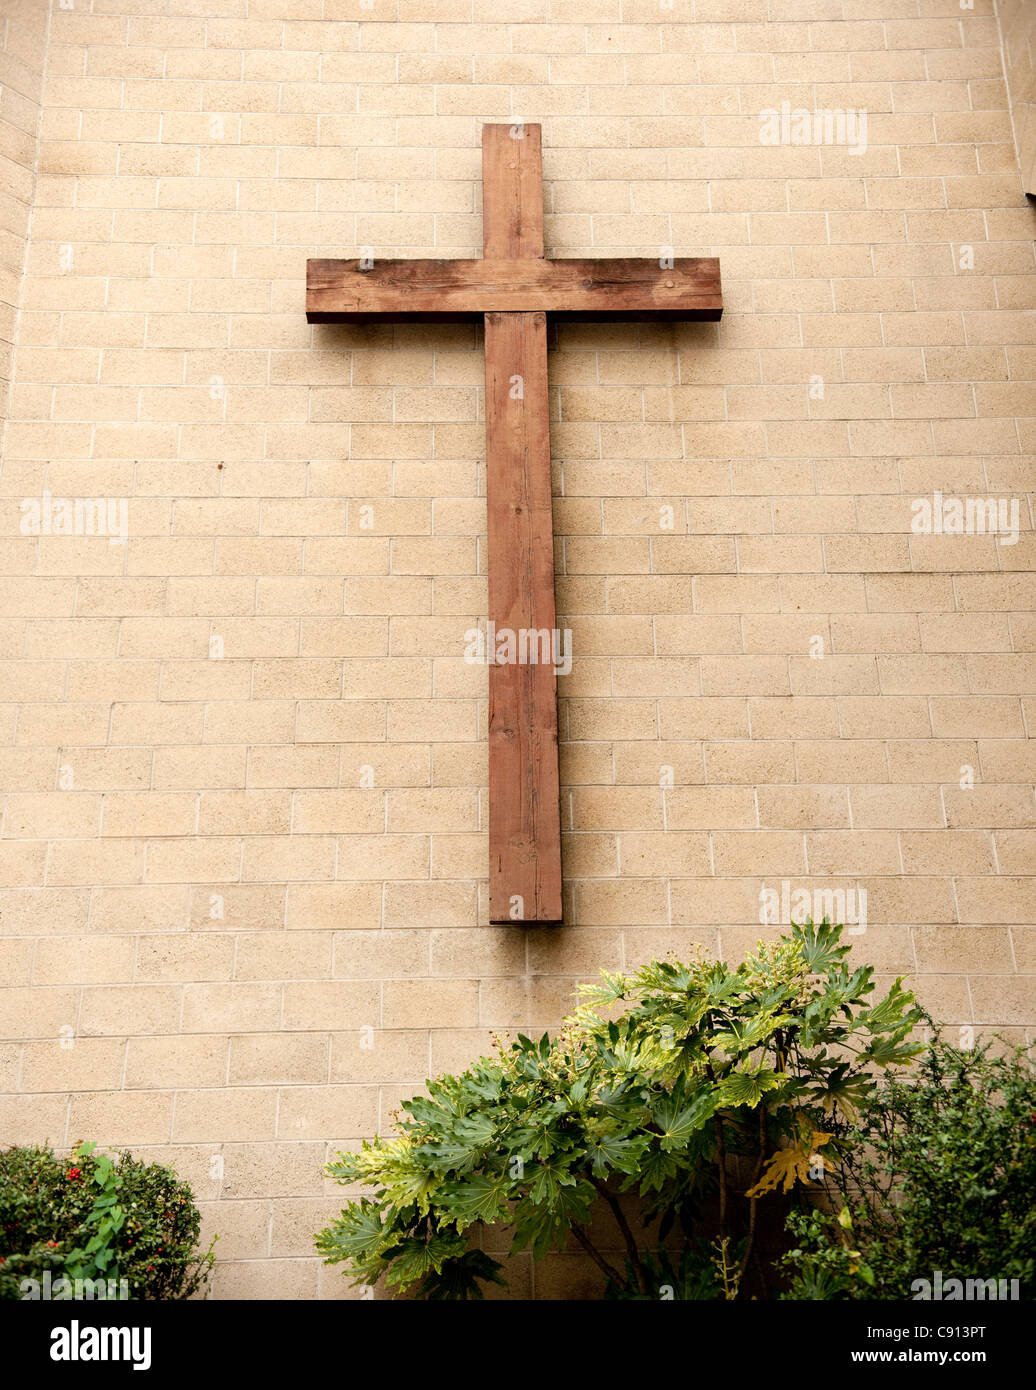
x,y
418,291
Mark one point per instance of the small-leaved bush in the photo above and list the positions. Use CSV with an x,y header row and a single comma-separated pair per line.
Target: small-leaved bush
x,y
938,1175
693,1086
99,1219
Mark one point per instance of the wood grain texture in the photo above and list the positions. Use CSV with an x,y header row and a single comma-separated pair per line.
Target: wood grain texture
x,y
512,192
524,792
617,288
514,288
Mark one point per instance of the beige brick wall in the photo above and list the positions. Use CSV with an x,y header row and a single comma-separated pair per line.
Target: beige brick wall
x,y
23,32
243,760
1018,29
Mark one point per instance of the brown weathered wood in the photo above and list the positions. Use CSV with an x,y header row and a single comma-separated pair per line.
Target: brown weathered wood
x,y
524,793
512,192
513,287
524,805
340,292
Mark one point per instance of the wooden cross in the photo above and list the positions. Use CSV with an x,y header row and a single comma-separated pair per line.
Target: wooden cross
x,y
514,288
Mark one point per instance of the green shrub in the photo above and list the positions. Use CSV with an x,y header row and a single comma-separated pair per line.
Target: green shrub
x,y
939,1174
706,1073
92,1218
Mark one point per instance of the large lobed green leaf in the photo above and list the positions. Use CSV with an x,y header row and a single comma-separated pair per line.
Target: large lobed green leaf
x,y
536,1134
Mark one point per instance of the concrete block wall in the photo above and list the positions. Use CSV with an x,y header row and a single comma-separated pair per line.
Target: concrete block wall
x,y
243,759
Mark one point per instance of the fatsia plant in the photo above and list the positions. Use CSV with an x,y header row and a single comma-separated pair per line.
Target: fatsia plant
x,y
656,1085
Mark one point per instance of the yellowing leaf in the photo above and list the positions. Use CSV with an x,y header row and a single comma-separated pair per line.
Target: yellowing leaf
x,y
787,1165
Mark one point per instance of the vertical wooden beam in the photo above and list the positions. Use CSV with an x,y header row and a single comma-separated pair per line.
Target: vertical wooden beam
x,y
524,794
524,808
512,191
